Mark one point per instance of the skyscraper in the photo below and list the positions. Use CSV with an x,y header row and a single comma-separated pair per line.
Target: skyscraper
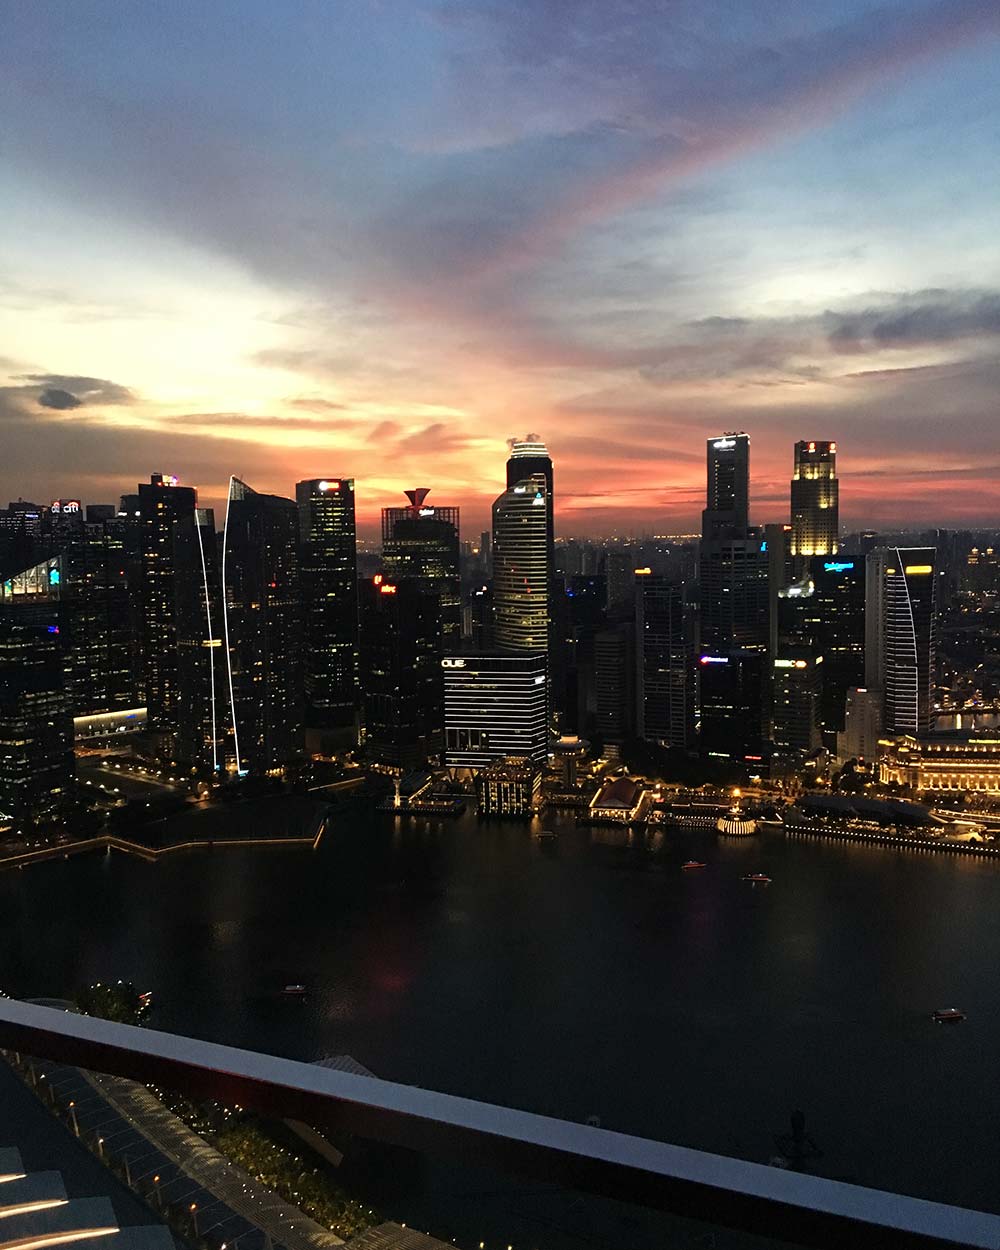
x,y
329,588
824,612
421,544
529,458
495,708
795,705
521,567
900,611
815,500
401,672
732,705
664,652
177,548
262,629
727,507
733,562
201,672
37,767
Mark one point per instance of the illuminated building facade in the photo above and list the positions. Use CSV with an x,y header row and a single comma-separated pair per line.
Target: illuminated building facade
x,y
421,544
262,630
495,706
509,787
664,652
950,763
37,766
529,458
83,584
824,613
900,610
862,725
329,588
795,703
521,563
401,672
815,500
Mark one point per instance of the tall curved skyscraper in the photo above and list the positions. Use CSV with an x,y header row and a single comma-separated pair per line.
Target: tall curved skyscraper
x,y
521,567
262,628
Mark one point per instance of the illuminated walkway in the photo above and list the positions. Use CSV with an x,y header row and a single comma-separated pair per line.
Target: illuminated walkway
x,y
136,1127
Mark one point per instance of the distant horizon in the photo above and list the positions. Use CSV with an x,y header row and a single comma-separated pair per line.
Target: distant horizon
x,y
474,522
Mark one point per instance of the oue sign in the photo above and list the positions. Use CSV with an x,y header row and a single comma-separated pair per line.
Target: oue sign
x,y
453,663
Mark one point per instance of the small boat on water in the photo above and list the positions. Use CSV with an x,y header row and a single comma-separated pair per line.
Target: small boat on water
x,y
547,835
692,865
757,878
294,991
947,1015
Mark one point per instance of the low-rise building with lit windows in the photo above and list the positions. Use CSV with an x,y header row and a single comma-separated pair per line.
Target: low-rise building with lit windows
x,y
954,762
509,787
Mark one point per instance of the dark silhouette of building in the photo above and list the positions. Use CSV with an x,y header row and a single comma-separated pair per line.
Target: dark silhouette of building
x,y
37,766
421,544
732,707
824,613
401,672
664,652
329,589
262,629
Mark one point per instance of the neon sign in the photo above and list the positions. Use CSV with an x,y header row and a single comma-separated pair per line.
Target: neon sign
x,y
724,444
838,566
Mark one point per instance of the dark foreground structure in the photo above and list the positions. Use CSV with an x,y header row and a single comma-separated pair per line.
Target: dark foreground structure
x,y
768,1201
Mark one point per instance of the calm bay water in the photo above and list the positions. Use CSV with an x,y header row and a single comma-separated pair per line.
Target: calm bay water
x,y
592,978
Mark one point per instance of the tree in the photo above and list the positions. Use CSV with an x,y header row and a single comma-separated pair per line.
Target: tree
x,y
120,1002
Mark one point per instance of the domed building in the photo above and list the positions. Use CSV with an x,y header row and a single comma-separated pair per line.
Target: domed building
x,y
736,823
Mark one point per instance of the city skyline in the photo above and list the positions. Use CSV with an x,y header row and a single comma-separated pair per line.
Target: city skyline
x,y
627,233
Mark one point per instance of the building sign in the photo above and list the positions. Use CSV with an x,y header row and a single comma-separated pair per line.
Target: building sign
x,y
450,662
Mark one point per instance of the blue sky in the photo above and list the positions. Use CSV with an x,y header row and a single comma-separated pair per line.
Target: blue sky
x,y
376,237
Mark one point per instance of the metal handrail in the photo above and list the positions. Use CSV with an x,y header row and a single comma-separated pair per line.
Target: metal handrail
x,y
787,1206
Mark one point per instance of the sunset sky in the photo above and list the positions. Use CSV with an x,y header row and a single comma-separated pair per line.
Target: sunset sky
x,y
306,238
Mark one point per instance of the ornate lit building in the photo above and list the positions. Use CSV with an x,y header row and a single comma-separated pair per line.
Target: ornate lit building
x,y
815,500
952,762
